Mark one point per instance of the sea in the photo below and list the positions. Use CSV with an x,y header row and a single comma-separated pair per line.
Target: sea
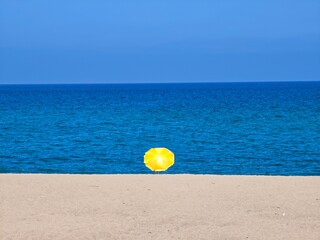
x,y
269,128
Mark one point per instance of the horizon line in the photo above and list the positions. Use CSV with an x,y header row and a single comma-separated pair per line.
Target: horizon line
x,y
150,83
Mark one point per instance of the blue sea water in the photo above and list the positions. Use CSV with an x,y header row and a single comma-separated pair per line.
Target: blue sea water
x,y
213,128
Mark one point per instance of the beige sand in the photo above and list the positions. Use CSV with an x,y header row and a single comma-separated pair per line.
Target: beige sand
x,y
159,207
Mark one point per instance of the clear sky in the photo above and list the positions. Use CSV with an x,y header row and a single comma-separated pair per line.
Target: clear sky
x,y
125,41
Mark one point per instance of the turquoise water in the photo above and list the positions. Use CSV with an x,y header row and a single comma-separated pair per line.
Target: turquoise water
x,y
216,128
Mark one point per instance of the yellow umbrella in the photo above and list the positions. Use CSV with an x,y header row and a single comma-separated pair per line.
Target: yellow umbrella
x,y
158,159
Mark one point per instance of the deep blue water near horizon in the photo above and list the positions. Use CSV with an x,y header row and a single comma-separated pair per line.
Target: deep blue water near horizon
x,y
213,128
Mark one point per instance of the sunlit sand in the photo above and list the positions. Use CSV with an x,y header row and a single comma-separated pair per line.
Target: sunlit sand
x,y
158,207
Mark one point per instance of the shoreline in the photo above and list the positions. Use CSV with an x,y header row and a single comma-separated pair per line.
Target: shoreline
x,y
162,206
152,174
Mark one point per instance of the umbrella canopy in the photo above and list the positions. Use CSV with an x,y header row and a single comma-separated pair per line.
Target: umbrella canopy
x,y
158,159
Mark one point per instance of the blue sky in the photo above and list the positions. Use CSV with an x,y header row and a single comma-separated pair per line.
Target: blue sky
x,y
96,41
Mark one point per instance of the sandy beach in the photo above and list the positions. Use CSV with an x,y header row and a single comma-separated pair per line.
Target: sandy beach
x,y
158,207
